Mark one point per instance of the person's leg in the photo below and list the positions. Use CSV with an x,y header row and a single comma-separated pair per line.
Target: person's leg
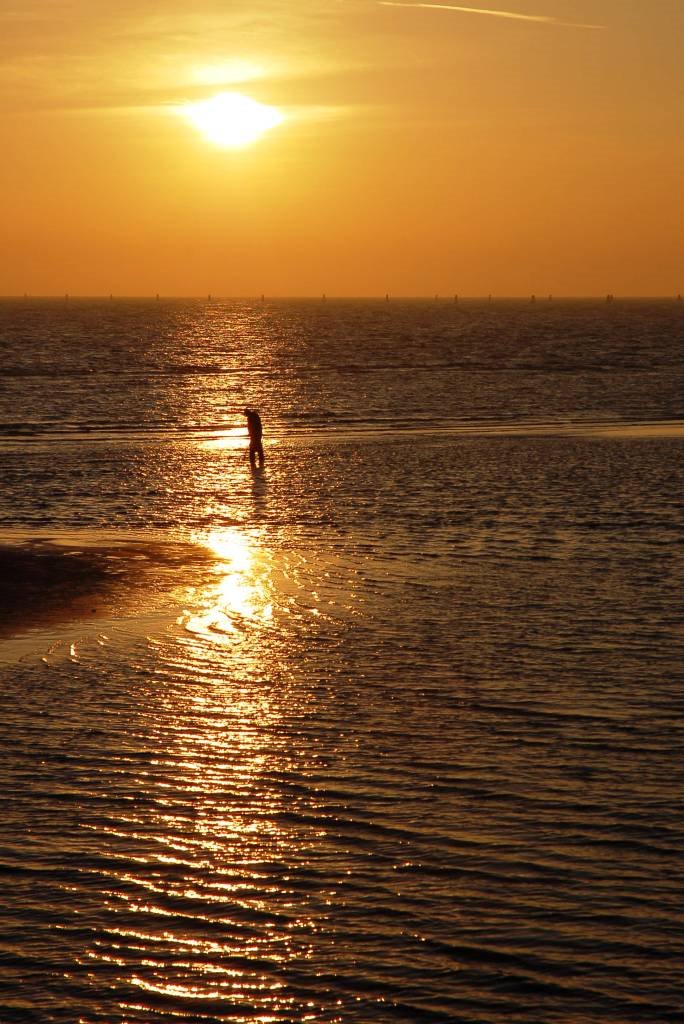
x,y
252,454
260,452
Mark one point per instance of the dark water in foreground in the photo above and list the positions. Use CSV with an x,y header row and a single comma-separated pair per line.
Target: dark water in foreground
x,y
391,732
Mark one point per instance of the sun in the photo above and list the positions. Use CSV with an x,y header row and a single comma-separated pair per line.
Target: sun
x,y
230,119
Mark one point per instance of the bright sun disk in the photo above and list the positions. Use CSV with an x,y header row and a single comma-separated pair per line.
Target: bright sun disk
x,y
231,119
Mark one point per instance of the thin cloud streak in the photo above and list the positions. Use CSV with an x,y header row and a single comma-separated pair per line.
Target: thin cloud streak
x,y
539,18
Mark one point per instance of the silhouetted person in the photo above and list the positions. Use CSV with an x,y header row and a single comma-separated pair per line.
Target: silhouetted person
x,y
255,431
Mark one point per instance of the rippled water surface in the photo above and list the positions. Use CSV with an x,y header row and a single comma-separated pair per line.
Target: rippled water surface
x,y
389,732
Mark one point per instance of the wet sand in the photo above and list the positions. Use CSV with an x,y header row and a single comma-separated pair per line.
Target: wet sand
x,y
44,584
47,581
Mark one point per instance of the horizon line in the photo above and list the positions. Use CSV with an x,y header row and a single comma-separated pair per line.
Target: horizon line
x,y
327,296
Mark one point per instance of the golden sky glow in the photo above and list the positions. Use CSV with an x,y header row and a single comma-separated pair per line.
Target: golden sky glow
x,y
514,147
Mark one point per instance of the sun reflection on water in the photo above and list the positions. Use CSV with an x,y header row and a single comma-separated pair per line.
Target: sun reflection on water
x,y
202,898
242,591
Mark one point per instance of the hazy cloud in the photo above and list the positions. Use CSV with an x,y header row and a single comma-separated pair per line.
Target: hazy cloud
x,y
539,18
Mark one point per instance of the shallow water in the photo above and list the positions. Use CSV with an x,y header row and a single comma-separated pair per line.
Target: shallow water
x,y
390,732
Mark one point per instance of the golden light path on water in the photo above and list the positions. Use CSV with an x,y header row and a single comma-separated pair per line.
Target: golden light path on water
x,y
205,914
242,591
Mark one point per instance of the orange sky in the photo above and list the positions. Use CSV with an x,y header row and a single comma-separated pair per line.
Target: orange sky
x,y
505,147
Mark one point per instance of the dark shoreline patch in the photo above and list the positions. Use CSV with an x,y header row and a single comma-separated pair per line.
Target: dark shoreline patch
x,y
44,582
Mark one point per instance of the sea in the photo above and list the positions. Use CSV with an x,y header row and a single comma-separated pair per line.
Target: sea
x,y
389,731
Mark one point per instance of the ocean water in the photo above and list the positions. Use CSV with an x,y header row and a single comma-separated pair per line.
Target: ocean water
x,y
390,732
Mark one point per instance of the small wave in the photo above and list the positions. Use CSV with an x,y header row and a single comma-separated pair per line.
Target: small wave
x,y
329,427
